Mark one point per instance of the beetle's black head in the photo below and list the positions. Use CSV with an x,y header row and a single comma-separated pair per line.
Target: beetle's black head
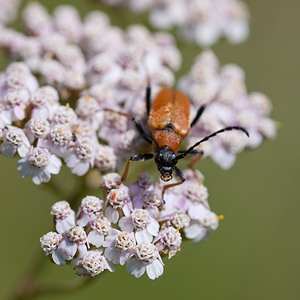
x,y
166,160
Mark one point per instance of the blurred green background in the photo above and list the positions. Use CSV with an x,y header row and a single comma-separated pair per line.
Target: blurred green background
x,y
255,252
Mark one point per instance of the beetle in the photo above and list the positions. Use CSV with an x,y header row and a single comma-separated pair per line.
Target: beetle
x,y
169,123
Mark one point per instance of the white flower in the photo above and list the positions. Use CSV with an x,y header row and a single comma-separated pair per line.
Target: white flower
x,y
146,258
168,241
99,228
50,243
199,229
39,164
14,141
82,157
119,246
64,216
142,223
74,240
119,201
92,264
89,209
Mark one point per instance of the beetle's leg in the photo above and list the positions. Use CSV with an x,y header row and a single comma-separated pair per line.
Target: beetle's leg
x,y
198,155
136,123
179,175
148,98
198,115
135,157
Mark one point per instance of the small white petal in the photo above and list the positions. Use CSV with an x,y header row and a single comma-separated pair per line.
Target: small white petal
x,y
60,257
135,267
195,231
23,150
143,236
82,250
63,225
95,238
112,254
111,214
153,227
81,168
155,269
125,224
54,164
68,247
197,211
8,150
83,220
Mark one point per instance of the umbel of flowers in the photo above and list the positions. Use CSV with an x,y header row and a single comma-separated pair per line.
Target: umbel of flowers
x,y
64,73
132,226
88,66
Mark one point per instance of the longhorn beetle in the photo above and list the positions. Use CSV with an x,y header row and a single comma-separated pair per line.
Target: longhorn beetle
x,y
169,123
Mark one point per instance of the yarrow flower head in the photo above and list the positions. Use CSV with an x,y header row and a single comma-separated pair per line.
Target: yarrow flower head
x,y
106,233
74,94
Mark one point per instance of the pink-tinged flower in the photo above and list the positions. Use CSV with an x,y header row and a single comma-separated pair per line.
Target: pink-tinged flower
x,y
36,129
89,210
105,158
190,197
180,219
44,102
143,182
65,115
39,164
74,241
149,200
177,219
64,216
118,201
110,181
36,19
99,228
67,21
140,222
168,241
200,228
16,102
119,246
14,141
92,264
146,258
224,92
49,244
18,76
59,141
82,156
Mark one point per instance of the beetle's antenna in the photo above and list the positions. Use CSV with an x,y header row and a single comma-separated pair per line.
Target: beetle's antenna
x,y
210,136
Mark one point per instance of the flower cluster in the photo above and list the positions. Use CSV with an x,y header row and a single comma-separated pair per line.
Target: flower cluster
x,y
202,21
83,68
133,226
223,91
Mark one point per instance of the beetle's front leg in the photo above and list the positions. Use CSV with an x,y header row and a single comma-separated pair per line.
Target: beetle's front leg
x,y
179,175
135,157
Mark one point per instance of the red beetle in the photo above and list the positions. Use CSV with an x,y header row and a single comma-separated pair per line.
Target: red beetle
x,y
169,123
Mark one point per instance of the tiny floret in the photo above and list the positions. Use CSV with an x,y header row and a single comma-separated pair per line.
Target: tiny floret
x,y
61,209
50,242
94,263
